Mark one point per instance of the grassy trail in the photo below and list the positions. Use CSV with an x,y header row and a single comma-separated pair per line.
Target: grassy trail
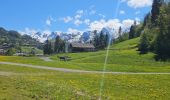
x,y
76,71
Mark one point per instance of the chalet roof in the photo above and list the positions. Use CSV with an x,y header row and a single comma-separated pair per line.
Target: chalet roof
x,y
82,45
4,47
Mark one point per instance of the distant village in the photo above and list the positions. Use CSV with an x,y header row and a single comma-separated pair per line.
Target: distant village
x,y
69,47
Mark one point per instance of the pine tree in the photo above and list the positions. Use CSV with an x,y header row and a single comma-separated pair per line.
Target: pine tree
x,y
57,44
102,41
155,11
162,42
50,48
120,33
146,21
132,32
45,48
135,23
144,44
96,40
107,40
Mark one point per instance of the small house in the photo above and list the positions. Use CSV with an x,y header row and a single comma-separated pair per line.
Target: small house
x,y
81,47
4,48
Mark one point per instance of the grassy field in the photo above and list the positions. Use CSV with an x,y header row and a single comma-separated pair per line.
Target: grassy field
x,y
125,58
29,49
27,83
22,83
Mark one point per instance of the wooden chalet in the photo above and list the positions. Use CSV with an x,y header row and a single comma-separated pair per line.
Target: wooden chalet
x,y
81,47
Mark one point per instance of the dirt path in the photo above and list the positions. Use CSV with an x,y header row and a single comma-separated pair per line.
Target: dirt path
x,y
77,71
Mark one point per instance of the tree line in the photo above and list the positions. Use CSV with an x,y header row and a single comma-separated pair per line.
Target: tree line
x,y
154,32
57,46
156,35
101,40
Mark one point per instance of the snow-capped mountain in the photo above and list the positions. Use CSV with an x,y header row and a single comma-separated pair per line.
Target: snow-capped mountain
x,y
52,35
84,37
108,31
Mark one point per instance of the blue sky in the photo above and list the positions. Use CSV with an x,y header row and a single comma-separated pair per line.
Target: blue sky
x,y
70,15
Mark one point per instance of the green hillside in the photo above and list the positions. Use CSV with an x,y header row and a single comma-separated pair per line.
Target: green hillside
x,y
30,83
15,40
120,59
29,49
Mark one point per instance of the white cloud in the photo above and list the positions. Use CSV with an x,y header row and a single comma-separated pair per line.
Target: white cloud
x,y
76,19
81,16
112,24
127,23
77,22
67,19
98,25
139,3
122,12
77,16
48,22
87,21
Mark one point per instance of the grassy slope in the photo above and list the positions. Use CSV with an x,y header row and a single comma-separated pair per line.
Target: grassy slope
x,y
28,84
125,59
29,49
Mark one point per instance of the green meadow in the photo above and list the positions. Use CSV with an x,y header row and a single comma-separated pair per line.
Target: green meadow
x,y
23,83
29,49
125,58
28,83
